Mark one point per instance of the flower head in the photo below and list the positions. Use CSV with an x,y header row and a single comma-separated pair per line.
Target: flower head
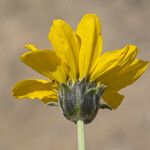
x,y
78,74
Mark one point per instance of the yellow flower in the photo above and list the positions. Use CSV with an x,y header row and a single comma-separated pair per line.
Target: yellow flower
x,y
76,55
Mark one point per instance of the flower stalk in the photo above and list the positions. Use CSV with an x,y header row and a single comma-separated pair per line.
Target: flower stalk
x,y
81,135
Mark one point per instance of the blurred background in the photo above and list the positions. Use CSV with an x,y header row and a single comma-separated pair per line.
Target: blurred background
x,y
30,125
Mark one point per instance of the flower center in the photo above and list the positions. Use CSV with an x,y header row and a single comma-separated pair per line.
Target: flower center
x,y
80,101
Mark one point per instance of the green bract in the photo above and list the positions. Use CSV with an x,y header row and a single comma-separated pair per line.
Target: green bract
x,y
81,100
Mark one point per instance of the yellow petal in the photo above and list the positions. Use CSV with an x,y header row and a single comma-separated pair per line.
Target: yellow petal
x,y
66,45
47,63
30,47
110,63
112,98
89,31
128,74
32,89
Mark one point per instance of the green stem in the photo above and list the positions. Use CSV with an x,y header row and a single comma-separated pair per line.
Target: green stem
x,y
81,136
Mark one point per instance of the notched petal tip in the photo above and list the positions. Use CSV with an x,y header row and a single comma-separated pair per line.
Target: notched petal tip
x,y
58,22
89,16
146,63
30,47
140,67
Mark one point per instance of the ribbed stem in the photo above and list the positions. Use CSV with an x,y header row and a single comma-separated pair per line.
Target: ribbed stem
x,y
81,135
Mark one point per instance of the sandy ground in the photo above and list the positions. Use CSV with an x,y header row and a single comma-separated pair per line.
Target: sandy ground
x,y
30,125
